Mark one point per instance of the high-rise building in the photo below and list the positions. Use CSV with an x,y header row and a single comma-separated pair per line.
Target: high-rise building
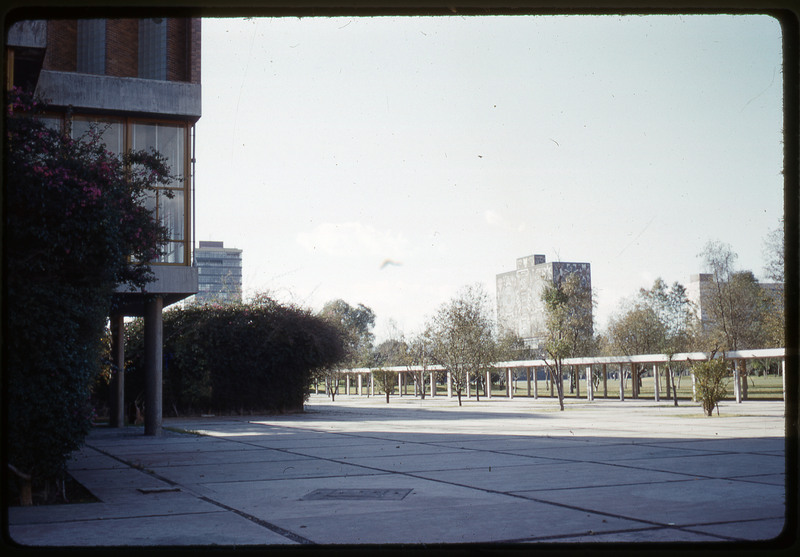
x,y
219,273
520,309
138,81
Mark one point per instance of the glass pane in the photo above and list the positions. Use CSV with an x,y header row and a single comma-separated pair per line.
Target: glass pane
x,y
112,134
173,253
166,139
171,213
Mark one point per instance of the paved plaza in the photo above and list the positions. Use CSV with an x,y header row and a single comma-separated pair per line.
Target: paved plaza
x,y
499,471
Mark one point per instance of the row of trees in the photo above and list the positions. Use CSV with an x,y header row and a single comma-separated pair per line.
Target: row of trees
x,y
738,313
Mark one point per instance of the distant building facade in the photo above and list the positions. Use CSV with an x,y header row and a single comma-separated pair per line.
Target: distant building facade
x,y
520,309
219,273
700,292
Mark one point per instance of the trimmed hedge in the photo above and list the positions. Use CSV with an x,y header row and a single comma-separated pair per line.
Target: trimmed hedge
x,y
243,358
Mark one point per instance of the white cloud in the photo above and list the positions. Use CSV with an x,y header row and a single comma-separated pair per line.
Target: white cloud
x,y
352,239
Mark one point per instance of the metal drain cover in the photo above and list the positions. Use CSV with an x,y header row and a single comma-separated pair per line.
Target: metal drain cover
x,y
357,494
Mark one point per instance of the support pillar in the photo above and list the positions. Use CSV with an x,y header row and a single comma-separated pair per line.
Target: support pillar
x,y
605,381
656,384
347,383
737,385
433,384
467,382
449,384
488,385
783,377
371,383
577,376
535,384
360,385
621,382
116,403
400,383
694,388
589,385
153,361
510,386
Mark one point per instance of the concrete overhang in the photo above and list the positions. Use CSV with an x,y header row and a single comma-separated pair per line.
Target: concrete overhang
x,y
172,284
176,99
29,34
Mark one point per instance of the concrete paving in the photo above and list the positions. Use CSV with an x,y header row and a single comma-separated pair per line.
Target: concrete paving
x,y
499,471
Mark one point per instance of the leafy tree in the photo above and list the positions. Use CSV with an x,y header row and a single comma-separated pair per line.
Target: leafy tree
x,y
737,305
775,319
569,330
389,353
355,327
75,218
386,380
460,336
711,376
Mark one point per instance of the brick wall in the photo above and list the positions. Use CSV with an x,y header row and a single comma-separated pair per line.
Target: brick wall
x,y
122,47
62,46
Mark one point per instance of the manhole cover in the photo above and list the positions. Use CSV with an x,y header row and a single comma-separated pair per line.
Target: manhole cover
x,y
357,494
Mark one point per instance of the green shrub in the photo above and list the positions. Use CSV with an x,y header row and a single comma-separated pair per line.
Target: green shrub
x,y
712,378
243,358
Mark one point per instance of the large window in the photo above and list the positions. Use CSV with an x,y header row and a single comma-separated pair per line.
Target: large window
x,y
153,48
92,46
169,203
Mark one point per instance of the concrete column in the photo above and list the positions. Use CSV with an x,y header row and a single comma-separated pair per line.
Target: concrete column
x,y
528,379
621,382
635,381
535,384
737,385
488,385
510,386
694,388
360,385
371,383
449,384
400,383
433,384
116,403
605,381
416,386
153,361
589,385
467,382
656,385
347,383
574,371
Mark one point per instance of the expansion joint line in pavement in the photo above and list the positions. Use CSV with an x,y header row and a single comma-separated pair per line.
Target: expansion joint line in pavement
x,y
263,523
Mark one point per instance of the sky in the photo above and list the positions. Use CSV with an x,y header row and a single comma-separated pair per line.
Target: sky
x,y
390,161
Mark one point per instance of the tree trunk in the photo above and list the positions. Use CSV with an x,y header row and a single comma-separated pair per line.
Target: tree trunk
x,y
458,392
387,397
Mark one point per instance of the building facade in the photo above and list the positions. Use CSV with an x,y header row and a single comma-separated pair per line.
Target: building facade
x,y
219,273
701,289
138,82
520,309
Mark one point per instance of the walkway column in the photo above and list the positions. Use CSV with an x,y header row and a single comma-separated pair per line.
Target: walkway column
x,y
372,383
116,416
433,384
400,383
535,384
577,376
783,377
694,388
449,384
589,385
153,361
476,387
605,381
656,385
360,385
621,382
347,383
737,386
488,385
510,386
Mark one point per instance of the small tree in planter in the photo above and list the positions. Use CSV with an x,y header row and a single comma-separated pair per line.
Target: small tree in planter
x,y
712,379
386,381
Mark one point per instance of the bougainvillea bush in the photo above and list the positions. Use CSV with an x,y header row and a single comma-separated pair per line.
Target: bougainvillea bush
x,y
74,216
236,359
